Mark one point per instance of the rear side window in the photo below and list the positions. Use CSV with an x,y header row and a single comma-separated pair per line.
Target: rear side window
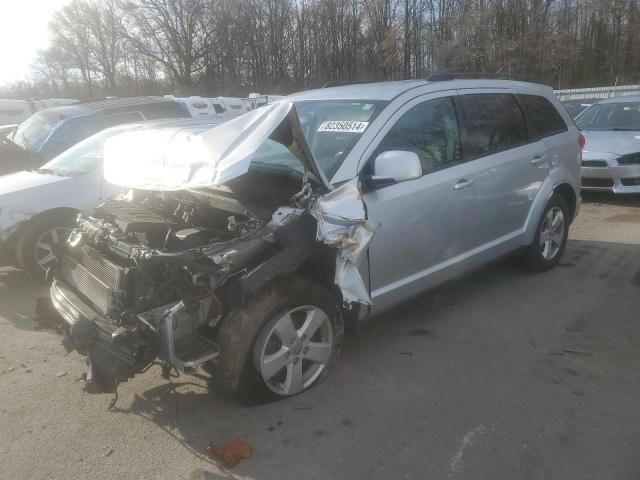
x,y
543,119
218,108
493,122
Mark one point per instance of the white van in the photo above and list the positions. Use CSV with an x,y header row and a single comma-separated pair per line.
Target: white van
x,y
198,107
233,105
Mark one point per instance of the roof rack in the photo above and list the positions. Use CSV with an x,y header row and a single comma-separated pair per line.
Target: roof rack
x,y
444,77
347,82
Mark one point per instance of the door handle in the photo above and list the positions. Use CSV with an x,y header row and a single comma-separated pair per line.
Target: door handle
x,y
463,183
538,159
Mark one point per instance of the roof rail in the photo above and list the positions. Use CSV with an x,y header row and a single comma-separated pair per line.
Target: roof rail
x,y
444,77
332,84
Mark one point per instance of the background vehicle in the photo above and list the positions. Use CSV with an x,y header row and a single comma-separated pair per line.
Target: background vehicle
x,y
256,100
254,243
219,107
611,159
40,206
14,111
50,132
576,107
233,105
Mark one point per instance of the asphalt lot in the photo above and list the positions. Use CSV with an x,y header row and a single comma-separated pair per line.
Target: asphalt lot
x,y
502,375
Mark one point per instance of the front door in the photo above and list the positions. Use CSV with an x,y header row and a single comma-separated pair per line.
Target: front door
x,y
426,225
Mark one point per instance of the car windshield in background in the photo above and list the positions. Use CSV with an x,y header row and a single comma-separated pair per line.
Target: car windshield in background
x,y
611,116
79,159
34,131
333,127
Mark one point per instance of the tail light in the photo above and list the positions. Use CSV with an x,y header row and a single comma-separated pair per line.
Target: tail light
x,y
581,142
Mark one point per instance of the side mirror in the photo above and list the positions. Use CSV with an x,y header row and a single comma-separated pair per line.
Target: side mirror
x,y
394,166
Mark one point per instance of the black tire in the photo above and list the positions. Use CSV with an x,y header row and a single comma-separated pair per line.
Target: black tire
x,y
533,257
236,372
25,247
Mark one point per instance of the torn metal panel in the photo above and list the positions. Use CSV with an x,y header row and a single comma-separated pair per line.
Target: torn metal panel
x,y
166,159
342,224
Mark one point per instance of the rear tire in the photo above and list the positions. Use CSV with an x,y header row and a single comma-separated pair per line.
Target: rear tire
x,y
262,358
551,236
36,243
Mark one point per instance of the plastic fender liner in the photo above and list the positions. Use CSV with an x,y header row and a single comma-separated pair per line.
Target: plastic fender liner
x,y
298,241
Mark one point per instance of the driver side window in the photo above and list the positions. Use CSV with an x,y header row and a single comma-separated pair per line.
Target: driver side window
x,y
429,129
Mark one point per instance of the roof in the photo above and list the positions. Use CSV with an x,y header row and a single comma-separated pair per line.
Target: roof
x,y
171,123
83,108
390,90
623,99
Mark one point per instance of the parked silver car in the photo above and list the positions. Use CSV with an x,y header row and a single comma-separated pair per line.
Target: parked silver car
x,y
252,244
611,158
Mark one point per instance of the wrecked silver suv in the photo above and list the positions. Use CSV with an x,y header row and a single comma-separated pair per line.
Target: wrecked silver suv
x,y
232,247
192,273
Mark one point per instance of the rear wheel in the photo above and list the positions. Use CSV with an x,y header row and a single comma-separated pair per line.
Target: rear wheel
x,y
36,245
551,236
282,342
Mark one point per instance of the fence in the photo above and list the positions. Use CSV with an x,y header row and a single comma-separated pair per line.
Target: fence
x,y
597,92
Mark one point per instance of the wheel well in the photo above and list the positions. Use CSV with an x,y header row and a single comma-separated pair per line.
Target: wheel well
x,y
11,241
569,196
321,269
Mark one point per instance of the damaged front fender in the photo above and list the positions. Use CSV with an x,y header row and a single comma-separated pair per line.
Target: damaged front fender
x,y
342,224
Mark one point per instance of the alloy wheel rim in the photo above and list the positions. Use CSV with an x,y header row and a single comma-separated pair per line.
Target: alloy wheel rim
x,y
294,349
552,233
43,251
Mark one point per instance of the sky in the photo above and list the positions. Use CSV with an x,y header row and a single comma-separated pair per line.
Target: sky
x,y
23,31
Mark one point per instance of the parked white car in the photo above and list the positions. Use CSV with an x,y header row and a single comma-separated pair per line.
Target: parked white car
x,y
14,111
52,103
39,206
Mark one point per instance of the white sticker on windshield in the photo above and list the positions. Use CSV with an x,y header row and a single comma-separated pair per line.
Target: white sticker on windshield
x,y
343,126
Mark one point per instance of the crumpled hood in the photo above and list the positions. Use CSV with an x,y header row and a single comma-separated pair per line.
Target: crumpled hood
x,y
165,159
619,143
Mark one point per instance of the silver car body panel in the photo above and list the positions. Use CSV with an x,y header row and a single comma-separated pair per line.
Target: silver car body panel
x,y
342,224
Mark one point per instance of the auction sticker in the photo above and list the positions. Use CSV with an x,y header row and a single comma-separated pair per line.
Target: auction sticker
x,y
343,126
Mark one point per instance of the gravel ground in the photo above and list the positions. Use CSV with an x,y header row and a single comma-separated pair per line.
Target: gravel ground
x,y
502,375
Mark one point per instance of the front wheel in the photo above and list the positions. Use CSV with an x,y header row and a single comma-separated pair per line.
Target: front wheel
x,y
551,236
36,245
280,343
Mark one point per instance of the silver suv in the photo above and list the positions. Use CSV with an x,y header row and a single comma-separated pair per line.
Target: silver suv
x,y
248,247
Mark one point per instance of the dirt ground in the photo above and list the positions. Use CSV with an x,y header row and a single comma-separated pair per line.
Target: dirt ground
x,y
502,375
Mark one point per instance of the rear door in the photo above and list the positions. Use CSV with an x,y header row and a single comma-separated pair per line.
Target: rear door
x,y
426,225
511,166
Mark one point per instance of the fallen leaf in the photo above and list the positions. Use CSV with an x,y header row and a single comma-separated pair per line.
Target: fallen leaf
x,y
231,454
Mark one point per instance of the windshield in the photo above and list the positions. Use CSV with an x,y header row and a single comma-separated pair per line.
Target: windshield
x,y
610,116
34,131
81,158
332,128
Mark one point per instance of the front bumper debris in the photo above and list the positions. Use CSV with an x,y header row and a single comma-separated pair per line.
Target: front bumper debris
x,y
110,363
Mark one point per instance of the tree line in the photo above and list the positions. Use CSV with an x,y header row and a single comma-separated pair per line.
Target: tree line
x,y
233,47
